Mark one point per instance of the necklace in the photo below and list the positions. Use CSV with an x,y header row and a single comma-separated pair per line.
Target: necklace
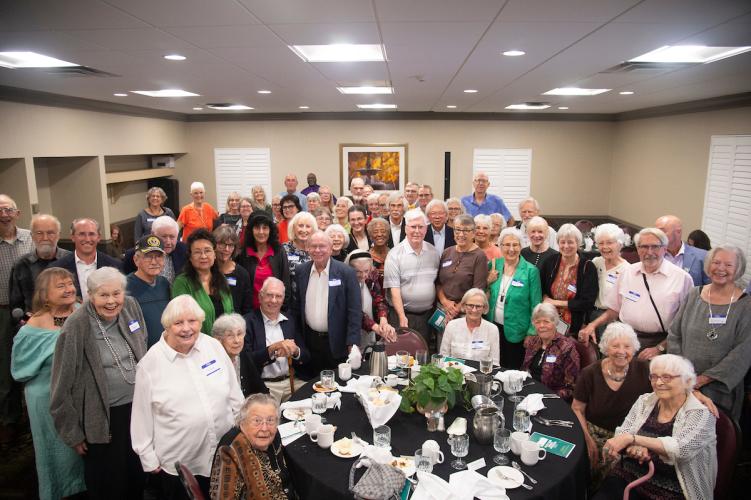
x,y
616,378
115,356
59,320
712,334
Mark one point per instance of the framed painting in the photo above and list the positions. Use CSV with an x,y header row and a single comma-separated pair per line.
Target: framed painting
x,y
383,166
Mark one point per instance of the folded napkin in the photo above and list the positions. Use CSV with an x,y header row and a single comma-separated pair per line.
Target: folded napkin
x,y
379,414
334,401
290,431
476,485
354,384
432,487
375,453
507,375
532,403
355,358
391,360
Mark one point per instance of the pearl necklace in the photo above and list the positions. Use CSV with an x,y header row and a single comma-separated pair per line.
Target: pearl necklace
x,y
616,378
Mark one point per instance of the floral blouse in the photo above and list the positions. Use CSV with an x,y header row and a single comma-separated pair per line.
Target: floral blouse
x,y
560,363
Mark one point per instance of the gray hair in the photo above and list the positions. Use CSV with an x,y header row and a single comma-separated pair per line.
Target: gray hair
x,y
510,231
313,196
611,231
740,259
536,221
253,400
464,220
377,221
495,216
10,200
105,275
301,217
158,191
164,221
457,201
394,197
180,306
570,231
676,365
270,281
372,197
472,292
483,219
413,214
40,217
545,310
354,179
529,200
346,200
339,229
83,219
436,203
226,323
615,331
197,185
657,233
234,194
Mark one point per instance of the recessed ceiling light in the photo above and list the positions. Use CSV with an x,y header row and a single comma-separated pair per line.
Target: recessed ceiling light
x,y
376,106
451,106
529,105
304,107
514,53
574,91
165,93
264,91
340,52
626,92
31,60
197,109
229,106
119,94
689,54
175,57
366,90
562,107
470,91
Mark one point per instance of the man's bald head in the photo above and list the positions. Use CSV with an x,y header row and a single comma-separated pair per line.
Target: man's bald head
x,y
673,229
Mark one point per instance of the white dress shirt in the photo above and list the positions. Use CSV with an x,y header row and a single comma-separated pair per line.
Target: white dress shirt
x,y
439,238
274,334
396,231
317,299
84,270
182,405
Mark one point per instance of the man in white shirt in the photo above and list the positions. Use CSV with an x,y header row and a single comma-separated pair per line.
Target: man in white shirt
x,y
687,257
439,234
397,207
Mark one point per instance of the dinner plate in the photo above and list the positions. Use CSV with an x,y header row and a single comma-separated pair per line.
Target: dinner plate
x,y
297,413
513,478
319,388
356,450
404,464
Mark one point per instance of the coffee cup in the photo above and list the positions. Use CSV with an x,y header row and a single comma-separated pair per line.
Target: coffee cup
x,y
433,450
312,423
531,453
391,380
345,371
324,435
517,439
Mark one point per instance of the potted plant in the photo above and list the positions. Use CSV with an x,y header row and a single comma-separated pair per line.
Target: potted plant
x,y
433,392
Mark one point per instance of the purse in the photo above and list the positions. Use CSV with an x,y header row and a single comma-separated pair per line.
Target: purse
x,y
379,482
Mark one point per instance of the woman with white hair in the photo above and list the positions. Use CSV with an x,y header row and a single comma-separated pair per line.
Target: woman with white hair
x,y
341,212
536,234
198,213
609,264
232,211
455,208
569,282
339,240
673,429
258,195
302,225
229,330
314,201
186,396
471,337
328,200
484,239
372,205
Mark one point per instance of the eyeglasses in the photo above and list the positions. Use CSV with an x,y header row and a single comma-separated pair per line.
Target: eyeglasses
x,y
285,207
226,245
8,210
665,379
259,421
474,306
461,230
205,251
649,248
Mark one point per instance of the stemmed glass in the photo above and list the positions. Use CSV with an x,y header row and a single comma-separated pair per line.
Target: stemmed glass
x,y
459,448
402,361
514,385
502,444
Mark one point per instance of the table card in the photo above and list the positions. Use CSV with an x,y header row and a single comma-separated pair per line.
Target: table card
x,y
477,464
553,445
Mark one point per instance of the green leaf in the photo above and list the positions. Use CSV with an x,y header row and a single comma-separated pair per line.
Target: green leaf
x,y
451,398
429,383
423,398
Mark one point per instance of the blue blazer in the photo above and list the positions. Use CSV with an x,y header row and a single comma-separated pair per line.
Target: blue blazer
x,y
179,256
693,264
449,236
345,305
255,340
69,262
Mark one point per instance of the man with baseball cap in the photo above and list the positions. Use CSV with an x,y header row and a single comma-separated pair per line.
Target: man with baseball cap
x,y
151,291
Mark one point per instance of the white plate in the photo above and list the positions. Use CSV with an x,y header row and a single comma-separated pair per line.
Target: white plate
x,y
297,413
317,387
516,477
409,468
356,450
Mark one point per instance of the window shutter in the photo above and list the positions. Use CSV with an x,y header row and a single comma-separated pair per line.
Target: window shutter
x,y
509,172
239,169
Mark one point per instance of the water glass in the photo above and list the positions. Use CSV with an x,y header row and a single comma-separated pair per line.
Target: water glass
x,y
521,420
421,357
437,360
514,386
345,371
382,436
423,461
319,403
502,444
402,361
486,362
459,448
327,379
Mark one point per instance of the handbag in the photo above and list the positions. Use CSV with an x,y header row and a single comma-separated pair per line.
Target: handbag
x,y
379,482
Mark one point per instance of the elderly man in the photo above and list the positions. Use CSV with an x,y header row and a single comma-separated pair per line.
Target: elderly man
x,y
14,243
482,202
357,190
274,341
147,286
439,234
409,276
290,182
383,206
424,196
374,307
410,194
397,207
328,305
45,233
176,252
646,295
688,258
313,186
529,208
85,259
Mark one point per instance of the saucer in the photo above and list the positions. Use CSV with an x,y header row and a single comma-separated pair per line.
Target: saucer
x,y
513,478
319,388
297,413
356,450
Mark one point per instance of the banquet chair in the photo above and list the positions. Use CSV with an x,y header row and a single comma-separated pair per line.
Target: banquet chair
x,y
585,226
587,353
728,451
189,482
406,340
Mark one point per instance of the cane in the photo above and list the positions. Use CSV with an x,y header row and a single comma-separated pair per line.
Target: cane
x,y
291,370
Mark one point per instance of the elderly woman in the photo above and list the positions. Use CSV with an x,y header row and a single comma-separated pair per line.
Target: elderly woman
x,y
471,337
455,209
249,463
314,201
606,390
203,280
290,207
341,212
246,209
673,429
539,249
186,396
374,307
323,217
59,468
484,239
713,329
276,209
529,208
378,231
339,241
258,197
358,236
462,267
229,330
550,357
301,227
373,207
91,387
197,214
232,211
498,224
155,199
569,282
237,277
262,256
328,200
513,297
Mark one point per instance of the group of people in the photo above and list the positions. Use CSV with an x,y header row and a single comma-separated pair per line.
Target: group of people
x,y
182,351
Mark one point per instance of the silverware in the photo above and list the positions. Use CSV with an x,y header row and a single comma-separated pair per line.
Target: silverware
x,y
518,467
504,476
551,422
551,396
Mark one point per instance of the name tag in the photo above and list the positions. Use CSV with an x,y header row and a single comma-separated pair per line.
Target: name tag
x,y
478,344
612,278
150,219
210,368
717,319
561,327
550,358
133,326
517,283
477,464
293,258
335,282
633,296
232,281
446,264
571,288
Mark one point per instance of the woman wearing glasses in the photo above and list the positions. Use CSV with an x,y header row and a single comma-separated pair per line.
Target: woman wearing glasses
x,y
290,206
471,337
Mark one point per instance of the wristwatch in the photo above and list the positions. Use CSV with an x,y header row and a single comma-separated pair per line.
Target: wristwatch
x,y
661,348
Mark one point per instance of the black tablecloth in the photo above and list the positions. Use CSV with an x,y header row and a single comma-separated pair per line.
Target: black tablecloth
x,y
318,474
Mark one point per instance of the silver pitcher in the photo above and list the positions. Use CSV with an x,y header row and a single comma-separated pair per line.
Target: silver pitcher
x,y
484,423
481,383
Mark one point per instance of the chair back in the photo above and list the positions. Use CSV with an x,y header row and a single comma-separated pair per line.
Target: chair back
x,y
584,225
728,450
406,340
587,353
189,482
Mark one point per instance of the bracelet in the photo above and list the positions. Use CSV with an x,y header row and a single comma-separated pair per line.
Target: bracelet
x,y
633,439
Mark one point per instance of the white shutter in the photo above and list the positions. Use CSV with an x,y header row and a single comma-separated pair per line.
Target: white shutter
x,y
239,169
727,199
509,173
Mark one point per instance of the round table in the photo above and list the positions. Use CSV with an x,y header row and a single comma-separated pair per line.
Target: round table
x,y
319,474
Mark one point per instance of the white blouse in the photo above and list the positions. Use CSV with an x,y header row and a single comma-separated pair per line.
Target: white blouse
x,y
459,342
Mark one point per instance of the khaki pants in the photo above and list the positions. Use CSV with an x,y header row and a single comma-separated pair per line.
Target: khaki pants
x,y
281,390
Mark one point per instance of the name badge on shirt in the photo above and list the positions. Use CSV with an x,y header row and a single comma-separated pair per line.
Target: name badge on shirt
x,y
612,278
717,319
686,269
150,219
231,281
446,264
478,344
210,368
293,258
517,283
550,358
133,326
571,288
335,282
633,296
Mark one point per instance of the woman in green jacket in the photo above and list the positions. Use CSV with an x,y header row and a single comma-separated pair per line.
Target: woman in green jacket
x,y
514,292
203,280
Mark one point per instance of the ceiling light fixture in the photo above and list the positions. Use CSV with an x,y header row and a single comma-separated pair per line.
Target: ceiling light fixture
x,y
15,60
562,107
120,94
165,93
264,91
529,105
376,106
470,91
575,91
513,53
175,57
366,90
304,107
340,52
224,106
197,109
689,54
626,92
451,106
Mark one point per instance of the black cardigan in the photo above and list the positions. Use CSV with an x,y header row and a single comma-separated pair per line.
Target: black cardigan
x,y
279,270
587,288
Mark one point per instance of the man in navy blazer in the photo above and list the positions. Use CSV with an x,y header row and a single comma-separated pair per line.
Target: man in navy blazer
x,y
397,207
176,251
328,305
439,234
688,258
86,258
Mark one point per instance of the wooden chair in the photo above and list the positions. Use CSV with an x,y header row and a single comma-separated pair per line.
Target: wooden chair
x,y
728,451
189,482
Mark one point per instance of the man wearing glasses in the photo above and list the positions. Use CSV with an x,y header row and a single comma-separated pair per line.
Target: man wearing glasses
x,y
482,202
646,295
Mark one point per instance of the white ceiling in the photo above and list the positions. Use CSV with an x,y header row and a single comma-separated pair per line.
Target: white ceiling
x,y
435,48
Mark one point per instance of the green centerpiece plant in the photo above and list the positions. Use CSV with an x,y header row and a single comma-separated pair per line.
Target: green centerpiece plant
x,y
434,389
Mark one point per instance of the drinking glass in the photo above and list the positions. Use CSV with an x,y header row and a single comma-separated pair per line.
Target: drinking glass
x,y
515,385
319,404
327,379
423,462
345,371
502,444
402,361
486,362
459,448
382,436
421,357
437,359
521,420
